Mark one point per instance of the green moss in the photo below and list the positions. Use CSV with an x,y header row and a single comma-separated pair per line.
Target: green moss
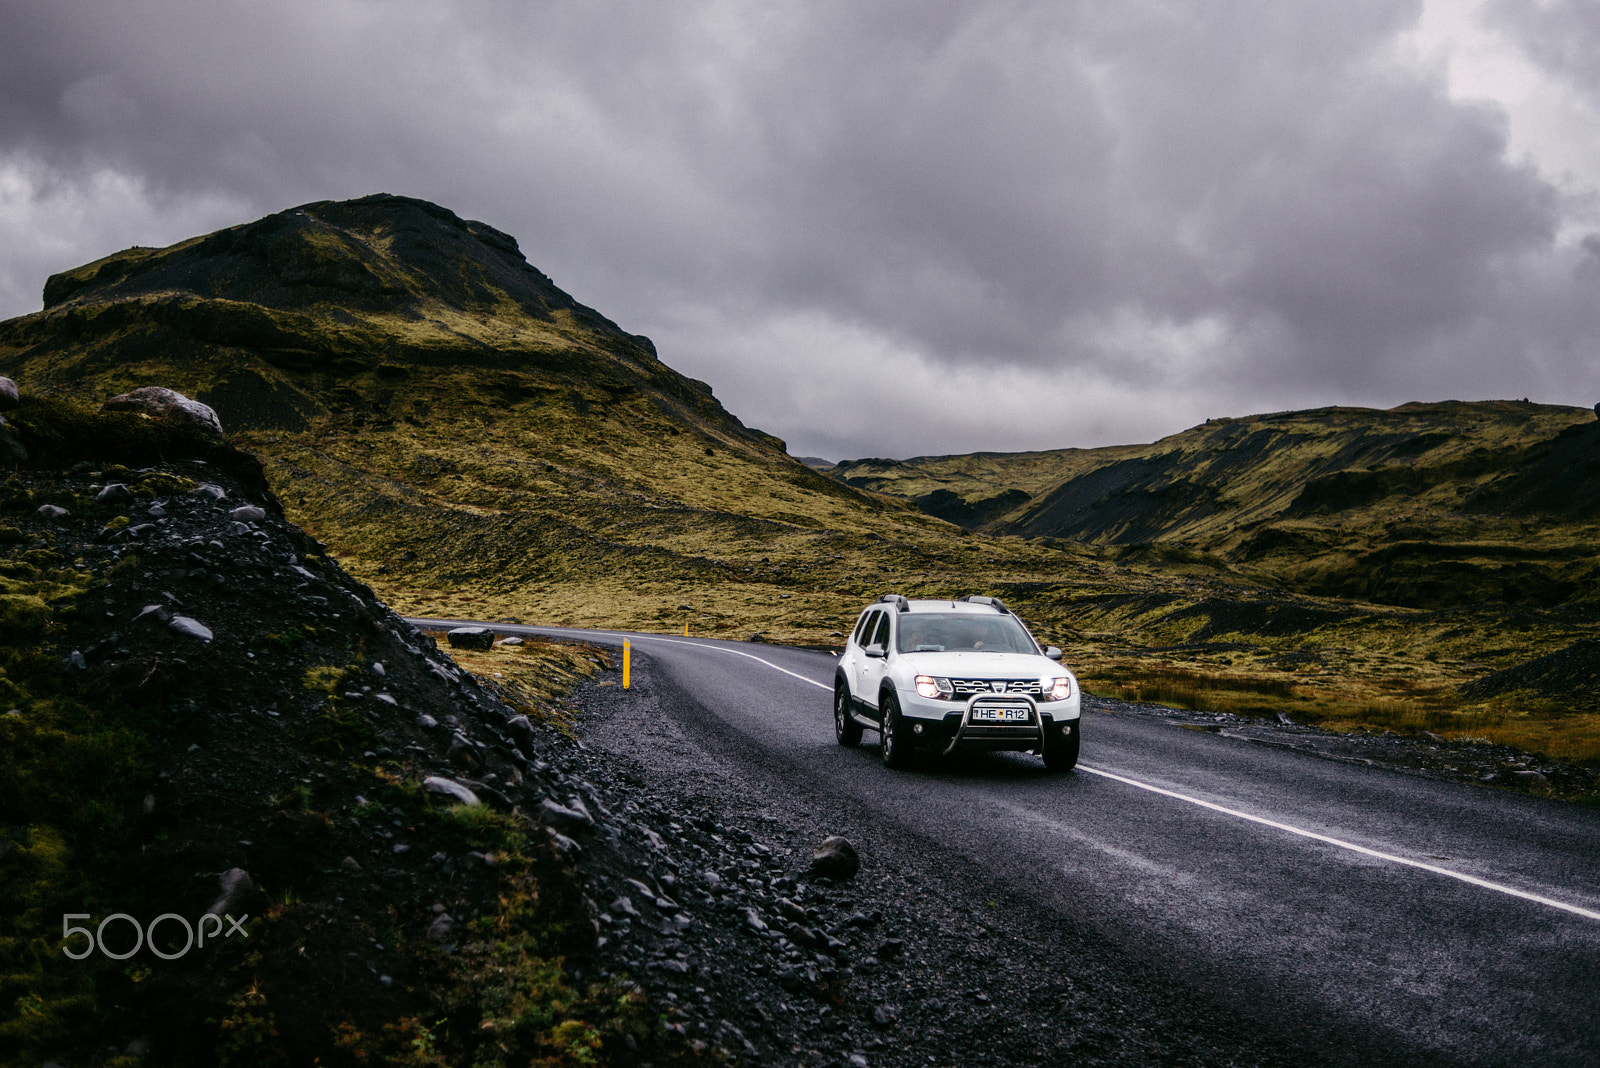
x,y
164,484
58,429
247,1034
489,830
23,617
325,678
288,639
340,730
50,996
72,777
298,797
74,770
42,558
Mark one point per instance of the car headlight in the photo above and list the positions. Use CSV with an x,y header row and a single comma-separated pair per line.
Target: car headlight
x,y
1056,687
929,686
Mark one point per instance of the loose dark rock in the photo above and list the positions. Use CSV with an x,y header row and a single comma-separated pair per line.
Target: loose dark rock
x,y
236,885
835,858
564,818
191,627
438,784
11,450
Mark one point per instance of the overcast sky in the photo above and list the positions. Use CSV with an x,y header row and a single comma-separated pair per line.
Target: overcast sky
x,y
894,228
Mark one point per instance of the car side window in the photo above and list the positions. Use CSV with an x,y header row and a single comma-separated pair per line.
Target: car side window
x,y
880,636
862,625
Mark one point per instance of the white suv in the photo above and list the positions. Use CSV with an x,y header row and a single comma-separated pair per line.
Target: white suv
x,y
953,675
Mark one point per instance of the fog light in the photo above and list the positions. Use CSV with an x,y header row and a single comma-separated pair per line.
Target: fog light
x,y
917,729
1066,729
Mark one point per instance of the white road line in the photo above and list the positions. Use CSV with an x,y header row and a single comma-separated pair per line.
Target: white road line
x,y
735,652
1434,868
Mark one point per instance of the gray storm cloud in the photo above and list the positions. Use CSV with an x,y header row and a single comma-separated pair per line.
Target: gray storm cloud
x,y
1562,35
862,223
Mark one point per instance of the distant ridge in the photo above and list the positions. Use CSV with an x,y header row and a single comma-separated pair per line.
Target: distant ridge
x,y
1423,505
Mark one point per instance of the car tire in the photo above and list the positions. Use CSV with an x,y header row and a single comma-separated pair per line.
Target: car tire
x,y
846,731
1063,756
894,739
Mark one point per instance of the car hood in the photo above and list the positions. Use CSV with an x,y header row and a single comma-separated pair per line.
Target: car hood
x,y
980,665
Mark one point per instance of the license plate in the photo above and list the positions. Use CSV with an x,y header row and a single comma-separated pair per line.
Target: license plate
x,y
1000,715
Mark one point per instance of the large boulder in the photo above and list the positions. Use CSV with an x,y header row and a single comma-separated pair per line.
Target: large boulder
x,y
159,402
471,638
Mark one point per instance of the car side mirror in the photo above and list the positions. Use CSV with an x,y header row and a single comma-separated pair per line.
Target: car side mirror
x,y
876,651
1054,652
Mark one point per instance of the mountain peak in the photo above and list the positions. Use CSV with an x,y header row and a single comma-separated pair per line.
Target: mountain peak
x,y
379,254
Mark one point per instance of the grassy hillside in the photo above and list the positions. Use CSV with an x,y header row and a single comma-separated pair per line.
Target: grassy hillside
x,y
471,441
1426,505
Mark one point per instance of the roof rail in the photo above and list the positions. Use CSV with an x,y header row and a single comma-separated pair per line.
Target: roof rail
x,y
897,599
996,603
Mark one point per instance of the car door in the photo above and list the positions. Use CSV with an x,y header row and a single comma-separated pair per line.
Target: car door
x,y
873,667
850,659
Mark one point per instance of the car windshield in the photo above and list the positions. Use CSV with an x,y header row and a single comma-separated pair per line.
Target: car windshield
x,y
932,633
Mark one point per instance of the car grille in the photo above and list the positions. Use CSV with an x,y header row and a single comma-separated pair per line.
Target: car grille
x,y
968,687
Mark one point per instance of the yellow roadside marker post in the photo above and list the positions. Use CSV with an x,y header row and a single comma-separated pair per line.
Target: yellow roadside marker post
x,y
627,657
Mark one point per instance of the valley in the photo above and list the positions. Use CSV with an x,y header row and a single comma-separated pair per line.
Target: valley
x,y
471,441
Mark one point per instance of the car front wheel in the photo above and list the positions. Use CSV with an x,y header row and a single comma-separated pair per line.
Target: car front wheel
x,y
845,729
896,745
1063,756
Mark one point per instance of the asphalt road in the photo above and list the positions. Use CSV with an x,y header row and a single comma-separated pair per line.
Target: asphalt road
x,y
1459,922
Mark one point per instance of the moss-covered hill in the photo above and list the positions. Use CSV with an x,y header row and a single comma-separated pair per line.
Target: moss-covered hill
x,y
469,436
1425,505
472,442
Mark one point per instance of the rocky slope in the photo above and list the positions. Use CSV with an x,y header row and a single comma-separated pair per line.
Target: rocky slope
x,y
203,713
